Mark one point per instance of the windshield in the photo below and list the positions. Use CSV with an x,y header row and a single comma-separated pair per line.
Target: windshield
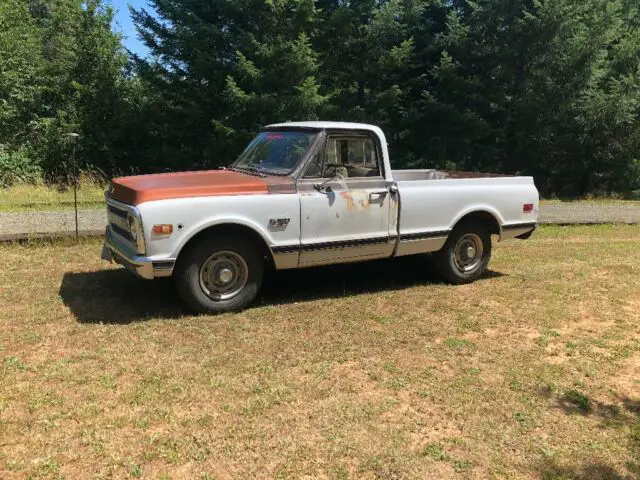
x,y
275,153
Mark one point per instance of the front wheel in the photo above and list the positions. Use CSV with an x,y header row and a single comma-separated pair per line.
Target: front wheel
x,y
219,275
466,254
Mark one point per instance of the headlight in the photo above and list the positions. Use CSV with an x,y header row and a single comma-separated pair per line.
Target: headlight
x,y
133,227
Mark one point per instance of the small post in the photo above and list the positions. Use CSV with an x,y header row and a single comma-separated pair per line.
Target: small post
x,y
73,137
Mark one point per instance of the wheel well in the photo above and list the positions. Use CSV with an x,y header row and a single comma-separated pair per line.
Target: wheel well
x,y
483,217
231,229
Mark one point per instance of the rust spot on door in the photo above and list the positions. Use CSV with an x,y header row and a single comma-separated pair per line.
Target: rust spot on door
x,y
357,200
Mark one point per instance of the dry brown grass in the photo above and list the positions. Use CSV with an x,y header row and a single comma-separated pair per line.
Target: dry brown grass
x,y
365,371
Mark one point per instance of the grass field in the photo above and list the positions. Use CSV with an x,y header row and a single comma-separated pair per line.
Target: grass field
x,y
591,201
40,197
365,371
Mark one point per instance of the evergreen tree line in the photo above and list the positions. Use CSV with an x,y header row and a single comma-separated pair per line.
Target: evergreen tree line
x,y
549,88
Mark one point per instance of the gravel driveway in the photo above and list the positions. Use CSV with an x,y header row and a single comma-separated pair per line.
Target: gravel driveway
x,y
20,225
584,212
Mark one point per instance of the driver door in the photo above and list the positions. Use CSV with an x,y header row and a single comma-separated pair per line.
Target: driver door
x,y
345,203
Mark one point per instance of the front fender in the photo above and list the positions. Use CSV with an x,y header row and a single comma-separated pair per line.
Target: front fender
x,y
190,216
221,220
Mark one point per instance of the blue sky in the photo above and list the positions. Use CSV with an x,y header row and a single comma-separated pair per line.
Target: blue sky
x,y
124,24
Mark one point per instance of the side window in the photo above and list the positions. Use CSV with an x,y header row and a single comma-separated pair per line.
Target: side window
x,y
357,155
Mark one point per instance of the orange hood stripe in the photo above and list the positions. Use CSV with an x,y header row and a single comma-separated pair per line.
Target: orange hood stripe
x,y
146,188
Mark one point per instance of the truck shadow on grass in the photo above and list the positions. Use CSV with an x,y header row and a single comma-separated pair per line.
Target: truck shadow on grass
x,y
622,414
591,471
115,296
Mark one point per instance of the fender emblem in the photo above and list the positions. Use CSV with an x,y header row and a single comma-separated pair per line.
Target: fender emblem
x,y
278,222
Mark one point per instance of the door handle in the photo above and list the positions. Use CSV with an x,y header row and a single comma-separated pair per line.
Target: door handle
x,y
377,194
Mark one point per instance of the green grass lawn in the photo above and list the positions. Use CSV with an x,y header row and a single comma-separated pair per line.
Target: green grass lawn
x,y
364,371
40,197
592,201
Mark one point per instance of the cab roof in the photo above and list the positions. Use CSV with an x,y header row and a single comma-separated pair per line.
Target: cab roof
x,y
323,125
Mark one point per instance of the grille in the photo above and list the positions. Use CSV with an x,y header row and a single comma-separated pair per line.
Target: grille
x,y
122,232
118,222
117,211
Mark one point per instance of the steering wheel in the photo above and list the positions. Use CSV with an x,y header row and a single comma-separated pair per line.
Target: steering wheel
x,y
328,166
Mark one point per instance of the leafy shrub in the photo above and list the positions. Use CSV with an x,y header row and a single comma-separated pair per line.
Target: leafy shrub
x,y
17,167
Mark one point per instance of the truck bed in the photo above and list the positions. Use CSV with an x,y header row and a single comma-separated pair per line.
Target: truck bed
x,y
433,201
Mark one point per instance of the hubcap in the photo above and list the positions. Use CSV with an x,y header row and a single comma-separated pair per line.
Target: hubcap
x,y
223,275
467,254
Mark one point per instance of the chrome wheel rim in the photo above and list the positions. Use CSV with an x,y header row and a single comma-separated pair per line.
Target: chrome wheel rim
x,y
223,275
467,254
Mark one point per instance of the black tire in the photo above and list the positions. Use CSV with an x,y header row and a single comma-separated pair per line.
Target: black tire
x,y
464,235
192,288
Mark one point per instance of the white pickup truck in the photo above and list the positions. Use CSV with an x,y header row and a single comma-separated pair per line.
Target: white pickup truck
x,y
304,194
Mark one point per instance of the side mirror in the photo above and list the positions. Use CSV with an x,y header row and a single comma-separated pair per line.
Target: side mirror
x,y
324,186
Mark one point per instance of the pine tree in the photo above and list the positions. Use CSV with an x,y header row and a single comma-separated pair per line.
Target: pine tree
x,y
224,68
367,53
531,87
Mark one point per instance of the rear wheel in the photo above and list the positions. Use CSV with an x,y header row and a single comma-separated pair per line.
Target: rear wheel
x,y
219,274
465,256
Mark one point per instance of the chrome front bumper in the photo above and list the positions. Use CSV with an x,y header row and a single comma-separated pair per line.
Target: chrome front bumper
x,y
114,250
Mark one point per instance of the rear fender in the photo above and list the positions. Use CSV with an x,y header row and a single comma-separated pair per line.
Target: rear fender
x,y
479,208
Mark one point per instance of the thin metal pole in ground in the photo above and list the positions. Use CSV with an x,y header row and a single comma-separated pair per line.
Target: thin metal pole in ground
x,y
73,137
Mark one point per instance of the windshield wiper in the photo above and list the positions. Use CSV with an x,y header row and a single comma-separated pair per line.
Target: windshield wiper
x,y
249,170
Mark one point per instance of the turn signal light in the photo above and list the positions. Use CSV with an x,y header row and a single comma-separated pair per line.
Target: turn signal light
x,y
165,229
527,208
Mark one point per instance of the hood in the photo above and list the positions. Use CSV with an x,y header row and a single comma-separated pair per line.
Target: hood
x,y
145,188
